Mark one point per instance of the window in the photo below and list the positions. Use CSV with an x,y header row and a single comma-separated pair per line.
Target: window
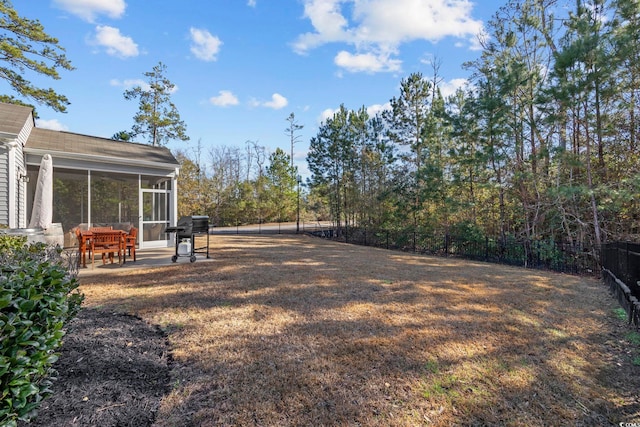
x,y
114,198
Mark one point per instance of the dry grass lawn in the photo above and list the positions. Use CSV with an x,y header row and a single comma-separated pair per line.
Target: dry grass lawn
x,y
293,331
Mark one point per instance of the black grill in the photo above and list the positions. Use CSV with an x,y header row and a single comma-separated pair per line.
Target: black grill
x,y
192,225
187,228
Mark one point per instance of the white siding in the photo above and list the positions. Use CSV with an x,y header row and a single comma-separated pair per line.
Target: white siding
x,y
4,185
21,169
13,196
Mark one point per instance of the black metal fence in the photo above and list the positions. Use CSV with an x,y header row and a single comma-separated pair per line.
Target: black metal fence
x,y
621,271
564,258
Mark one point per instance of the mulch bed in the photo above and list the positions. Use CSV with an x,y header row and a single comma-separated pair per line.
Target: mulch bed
x,y
113,370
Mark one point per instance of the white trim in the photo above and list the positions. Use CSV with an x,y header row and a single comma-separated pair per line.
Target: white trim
x,y
145,244
102,159
89,203
33,160
12,183
173,220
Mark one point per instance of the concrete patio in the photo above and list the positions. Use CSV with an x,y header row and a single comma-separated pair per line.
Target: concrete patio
x,y
145,258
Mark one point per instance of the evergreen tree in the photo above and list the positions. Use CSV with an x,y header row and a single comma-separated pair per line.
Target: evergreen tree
x,y
281,178
24,45
407,125
123,135
157,118
328,159
466,163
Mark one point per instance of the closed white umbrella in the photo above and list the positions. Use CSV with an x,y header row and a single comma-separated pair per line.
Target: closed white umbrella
x,y
42,212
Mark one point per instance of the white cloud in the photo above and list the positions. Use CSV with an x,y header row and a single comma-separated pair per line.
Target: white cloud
x,y
225,98
277,102
394,21
251,3
325,115
130,83
366,62
52,124
372,110
327,19
204,45
90,9
376,28
450,87
115,43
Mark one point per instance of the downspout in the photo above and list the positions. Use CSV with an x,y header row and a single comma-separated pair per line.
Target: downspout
x,y
13,185
174,198
173,220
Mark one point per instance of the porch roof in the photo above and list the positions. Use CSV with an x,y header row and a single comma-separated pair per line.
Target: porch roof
x,y
13,118
73,145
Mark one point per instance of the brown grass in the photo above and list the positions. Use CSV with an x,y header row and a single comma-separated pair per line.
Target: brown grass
x,y
292,330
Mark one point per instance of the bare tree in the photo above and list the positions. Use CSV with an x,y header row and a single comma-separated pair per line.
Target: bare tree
x,y
291,131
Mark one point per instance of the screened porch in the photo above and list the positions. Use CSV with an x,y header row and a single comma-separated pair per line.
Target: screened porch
x,y
89,198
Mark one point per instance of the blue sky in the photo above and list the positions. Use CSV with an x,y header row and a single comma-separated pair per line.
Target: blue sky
x,y
242,66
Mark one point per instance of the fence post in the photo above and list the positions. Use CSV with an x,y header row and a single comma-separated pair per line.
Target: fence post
x,y
628,269
611,259
486,248
446,245
414,242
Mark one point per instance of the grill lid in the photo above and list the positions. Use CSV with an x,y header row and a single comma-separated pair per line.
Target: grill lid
x,y
194,224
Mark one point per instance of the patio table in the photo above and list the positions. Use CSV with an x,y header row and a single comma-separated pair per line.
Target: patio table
x,y
85,238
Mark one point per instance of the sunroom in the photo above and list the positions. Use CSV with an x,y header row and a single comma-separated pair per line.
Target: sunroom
x,y
97,182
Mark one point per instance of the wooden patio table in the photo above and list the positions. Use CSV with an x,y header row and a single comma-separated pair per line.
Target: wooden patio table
x,y
106,236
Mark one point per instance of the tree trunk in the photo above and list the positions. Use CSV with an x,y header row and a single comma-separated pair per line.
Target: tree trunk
x,y
594,205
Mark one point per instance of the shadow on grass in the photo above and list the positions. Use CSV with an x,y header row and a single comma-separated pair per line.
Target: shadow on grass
x,y
295,331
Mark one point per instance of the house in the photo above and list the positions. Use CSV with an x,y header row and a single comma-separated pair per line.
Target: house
x,y
97,181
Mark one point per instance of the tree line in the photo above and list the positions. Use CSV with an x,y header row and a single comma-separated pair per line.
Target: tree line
x,y
236,185
542,144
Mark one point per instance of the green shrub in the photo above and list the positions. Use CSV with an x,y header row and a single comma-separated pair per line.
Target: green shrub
x,y
38,296
10,246
467,232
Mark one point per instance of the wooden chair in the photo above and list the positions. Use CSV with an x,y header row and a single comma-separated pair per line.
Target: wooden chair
x,y
83,247
131,240
101,229
108,242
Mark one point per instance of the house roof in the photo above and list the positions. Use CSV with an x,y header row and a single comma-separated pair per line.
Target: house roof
x,y
73,145
77,144
13,118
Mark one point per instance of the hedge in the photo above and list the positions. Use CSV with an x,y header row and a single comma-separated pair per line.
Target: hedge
x,y
38,296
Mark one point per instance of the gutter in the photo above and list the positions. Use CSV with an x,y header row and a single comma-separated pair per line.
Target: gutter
x,y
103,159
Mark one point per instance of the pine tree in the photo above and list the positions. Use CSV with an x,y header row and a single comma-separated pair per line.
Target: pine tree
x,y
157,118
281,178
24,45
329,157
407,125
